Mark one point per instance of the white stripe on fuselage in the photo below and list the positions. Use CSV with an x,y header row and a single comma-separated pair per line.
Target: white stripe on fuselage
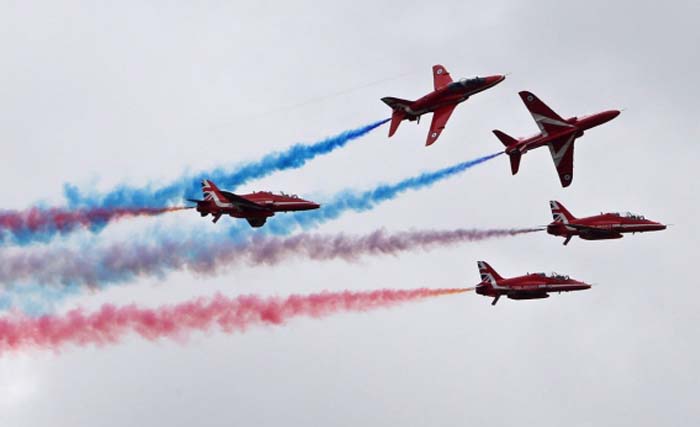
x,y
604,227
560,285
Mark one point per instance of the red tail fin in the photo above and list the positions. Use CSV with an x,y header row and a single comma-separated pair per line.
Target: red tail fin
x,y
211,191
400,107
515,155
488,274
559,212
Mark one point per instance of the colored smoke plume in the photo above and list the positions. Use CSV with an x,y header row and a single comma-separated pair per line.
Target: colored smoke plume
x,y
110,324
95,211
81,270
37,223
188,186
350,248
359,202
126,261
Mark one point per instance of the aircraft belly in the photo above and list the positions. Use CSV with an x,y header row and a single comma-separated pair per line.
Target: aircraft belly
x,y
600,235
528,295
240,213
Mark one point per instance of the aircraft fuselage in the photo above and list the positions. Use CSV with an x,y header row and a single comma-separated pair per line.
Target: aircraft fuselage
x,y
270,201
601,227
452,94
576,126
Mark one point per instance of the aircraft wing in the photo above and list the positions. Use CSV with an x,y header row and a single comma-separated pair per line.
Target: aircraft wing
x,y
562,151
441,77
242,202
440,118
547,120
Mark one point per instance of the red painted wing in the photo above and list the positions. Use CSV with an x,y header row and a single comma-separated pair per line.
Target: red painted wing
x,y
441,77
562,151
440,118
547,120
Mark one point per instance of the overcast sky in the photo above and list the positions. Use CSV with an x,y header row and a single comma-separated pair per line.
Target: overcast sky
x,y
140,91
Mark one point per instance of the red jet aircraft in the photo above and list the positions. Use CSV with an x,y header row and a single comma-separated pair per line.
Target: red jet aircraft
x,y
254,207
530,286
441,102
598,227
556,133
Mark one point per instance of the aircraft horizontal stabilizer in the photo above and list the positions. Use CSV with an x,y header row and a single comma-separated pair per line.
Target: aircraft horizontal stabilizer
x,y
396,103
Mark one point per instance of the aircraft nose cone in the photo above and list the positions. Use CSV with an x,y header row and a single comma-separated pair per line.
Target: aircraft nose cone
x,y
612,114
582,286
494,80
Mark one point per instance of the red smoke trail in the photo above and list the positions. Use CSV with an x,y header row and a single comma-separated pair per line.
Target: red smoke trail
x,y
37,220
109,324
122,262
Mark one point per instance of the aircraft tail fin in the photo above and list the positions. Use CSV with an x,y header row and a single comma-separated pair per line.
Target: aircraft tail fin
x,y
400,107
488,274
515,155
211,191
559,212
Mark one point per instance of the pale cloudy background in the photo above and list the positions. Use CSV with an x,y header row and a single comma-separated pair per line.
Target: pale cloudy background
x,y
98,93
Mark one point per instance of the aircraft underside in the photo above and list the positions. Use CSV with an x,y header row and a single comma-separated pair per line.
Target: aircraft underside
x,y
600,236
520,295
527,295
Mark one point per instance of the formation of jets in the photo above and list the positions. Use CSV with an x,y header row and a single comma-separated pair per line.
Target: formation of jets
x,y
557,133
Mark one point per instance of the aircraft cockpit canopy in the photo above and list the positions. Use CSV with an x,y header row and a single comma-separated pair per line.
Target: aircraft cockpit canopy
x,y
471,82
629,215
291,196
554,275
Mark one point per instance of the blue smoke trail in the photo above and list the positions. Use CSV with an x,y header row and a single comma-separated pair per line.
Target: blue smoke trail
x,y
100,269
349,200
189,186
35,300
